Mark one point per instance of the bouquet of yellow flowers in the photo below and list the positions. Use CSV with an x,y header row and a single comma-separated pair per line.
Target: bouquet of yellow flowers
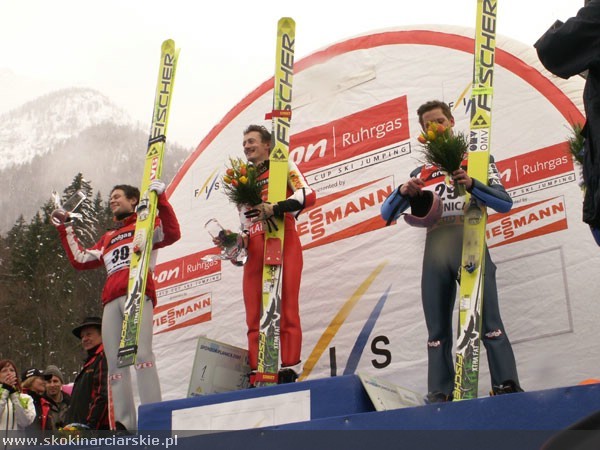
x,y
240,183
74,429
443,149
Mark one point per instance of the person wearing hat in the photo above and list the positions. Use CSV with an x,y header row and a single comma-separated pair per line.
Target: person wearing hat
x,y
113,252
442,260
34,384
59,400
17,410
89,398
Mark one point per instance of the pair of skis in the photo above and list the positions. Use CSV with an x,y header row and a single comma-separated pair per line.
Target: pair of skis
x,y
147,208
472,273
268,361
269,328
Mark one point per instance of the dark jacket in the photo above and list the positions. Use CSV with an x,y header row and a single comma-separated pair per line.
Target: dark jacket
x,y
89,397
569,49
43,420
58,410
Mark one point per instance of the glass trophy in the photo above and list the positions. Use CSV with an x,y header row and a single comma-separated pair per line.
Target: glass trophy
x,y
66,211
232,244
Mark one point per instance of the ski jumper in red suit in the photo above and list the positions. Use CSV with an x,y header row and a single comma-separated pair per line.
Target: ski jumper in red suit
x,y
113,251
299,196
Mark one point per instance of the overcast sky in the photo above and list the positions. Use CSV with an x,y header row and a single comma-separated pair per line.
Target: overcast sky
x,y
227,47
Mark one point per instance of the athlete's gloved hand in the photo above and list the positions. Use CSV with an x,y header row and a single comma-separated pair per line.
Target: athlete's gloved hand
x,y
260,212
59,217
263,212
157,186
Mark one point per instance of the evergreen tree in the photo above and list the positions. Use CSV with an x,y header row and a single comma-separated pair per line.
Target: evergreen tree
x,y
15,239
43,295
86,226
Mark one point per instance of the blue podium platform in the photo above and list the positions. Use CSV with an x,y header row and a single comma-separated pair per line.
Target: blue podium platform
x,y
329,397
342,416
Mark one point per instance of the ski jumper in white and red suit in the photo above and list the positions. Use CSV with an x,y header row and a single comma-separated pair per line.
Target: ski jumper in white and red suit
x,y
113,251
299,196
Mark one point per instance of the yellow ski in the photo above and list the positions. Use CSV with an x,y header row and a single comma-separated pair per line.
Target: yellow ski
x,y
473,271
268,338
146,209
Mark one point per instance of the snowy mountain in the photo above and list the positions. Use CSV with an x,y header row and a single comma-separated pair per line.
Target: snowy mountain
x,y
46,142
36,127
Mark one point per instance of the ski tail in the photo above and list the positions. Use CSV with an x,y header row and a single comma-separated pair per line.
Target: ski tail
x,y
472,276
147,207
281,115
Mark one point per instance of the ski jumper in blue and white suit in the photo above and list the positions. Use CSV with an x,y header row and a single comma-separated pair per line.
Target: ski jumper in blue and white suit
x,y
441,263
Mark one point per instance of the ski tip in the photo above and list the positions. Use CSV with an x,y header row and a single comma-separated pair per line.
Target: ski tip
x,y
168,44
286,22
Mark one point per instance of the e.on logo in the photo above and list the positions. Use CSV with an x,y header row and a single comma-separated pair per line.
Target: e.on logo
x,y
367,130
167,276
189,267
535,166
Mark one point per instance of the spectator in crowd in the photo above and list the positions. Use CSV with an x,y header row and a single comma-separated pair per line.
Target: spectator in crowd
x,y
89,398
34,384
17,410
59,400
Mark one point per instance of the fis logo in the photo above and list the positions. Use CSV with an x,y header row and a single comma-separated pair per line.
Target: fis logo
x,y
466,103
212,183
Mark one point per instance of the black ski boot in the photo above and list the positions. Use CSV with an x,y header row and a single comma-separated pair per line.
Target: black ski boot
x,y
506,387
437,397
286,375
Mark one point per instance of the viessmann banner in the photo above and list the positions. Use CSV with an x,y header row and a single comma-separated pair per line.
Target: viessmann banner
x,y
354,132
